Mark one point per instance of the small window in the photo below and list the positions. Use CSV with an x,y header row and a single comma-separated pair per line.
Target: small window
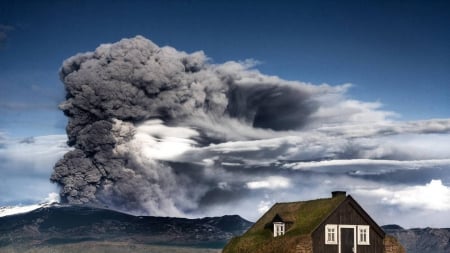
x,y
278,228
363,235
331,234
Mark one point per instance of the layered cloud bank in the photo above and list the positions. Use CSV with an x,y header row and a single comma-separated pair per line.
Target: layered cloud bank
x,y
163,132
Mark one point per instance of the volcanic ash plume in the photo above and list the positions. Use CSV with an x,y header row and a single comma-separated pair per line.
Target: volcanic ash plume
x,y
134,108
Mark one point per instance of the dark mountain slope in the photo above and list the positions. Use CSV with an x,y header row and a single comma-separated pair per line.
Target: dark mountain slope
x,y
63,224
421,240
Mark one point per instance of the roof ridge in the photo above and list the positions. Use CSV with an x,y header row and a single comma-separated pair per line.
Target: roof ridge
x,y
302,201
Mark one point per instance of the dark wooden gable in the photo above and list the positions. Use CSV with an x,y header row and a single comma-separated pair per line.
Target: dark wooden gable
x,y
349,212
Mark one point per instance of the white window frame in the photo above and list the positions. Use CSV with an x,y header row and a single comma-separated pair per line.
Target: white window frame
x,y
363,235
331,234
279,228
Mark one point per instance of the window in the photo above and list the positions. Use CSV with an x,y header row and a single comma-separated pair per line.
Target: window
x,y
278,228
331,234
363,235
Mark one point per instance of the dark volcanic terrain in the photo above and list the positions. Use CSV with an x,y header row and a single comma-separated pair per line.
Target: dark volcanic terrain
x,y
62,224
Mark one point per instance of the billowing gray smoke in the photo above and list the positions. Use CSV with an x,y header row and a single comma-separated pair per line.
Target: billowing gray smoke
x,y
134,107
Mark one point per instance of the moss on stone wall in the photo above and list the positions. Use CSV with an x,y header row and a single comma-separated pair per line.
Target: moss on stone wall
x,y
392,245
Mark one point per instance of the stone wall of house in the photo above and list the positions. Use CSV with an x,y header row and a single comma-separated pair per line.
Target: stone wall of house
x,y
392,245
304,245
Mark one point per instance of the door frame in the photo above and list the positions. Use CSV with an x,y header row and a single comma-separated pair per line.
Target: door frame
x,y
354,236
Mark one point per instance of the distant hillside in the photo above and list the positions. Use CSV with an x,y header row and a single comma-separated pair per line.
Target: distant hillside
x,y
421,240
56,225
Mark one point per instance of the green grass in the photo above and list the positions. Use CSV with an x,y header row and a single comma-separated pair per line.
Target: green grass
x,y
312,213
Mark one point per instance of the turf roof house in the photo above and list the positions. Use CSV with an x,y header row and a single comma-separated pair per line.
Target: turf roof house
x,y
332,225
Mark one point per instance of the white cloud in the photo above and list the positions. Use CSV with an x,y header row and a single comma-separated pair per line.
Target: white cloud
x,y
434,196
379,128
263,206
52,197
414,164
32,155
244,146
160,142
417,146
340,110
273,182
26,166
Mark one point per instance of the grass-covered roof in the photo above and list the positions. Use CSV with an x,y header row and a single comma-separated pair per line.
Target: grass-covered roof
x,y
304,217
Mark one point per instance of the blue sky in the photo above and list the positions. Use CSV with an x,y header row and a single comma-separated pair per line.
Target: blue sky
x,y
394,53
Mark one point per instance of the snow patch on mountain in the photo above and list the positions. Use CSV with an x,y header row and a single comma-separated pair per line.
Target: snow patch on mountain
x,y
53,198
